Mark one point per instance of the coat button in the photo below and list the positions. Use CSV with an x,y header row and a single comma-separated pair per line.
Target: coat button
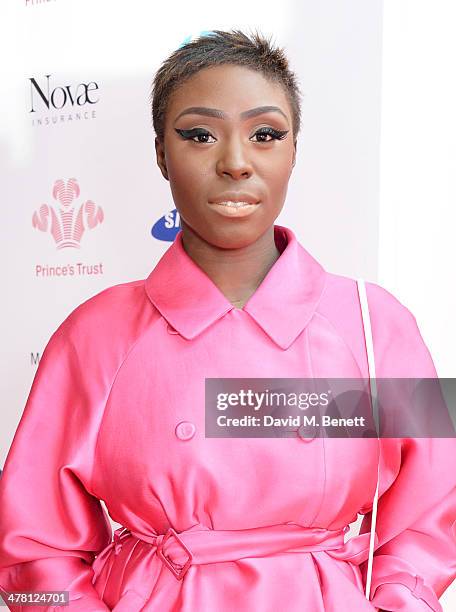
x,y
185,430
307,434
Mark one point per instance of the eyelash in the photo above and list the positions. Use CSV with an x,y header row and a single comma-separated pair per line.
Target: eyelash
x,y
268,131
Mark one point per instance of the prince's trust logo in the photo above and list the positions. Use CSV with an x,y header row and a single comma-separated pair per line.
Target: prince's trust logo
x,y
67,223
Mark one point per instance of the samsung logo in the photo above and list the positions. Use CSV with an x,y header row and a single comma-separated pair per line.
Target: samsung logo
x,y
167,227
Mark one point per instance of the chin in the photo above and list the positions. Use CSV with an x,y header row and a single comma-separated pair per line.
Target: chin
x,y
234,235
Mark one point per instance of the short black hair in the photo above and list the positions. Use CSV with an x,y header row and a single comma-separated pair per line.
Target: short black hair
x,y
223,47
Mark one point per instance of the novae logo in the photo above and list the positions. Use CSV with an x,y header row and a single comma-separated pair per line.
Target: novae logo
x,y
61,96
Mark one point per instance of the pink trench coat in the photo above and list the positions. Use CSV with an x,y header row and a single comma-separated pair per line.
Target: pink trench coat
x,y
116,412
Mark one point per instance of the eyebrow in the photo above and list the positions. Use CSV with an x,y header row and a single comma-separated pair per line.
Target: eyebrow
x,y
213,112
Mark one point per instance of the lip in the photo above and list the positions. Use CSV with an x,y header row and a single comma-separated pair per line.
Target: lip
x,y
234,213
235,197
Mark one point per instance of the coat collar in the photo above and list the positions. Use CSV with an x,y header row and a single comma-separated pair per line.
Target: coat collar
x,y
282,305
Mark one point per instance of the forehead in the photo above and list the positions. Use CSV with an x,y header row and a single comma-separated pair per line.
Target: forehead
x,y
230,88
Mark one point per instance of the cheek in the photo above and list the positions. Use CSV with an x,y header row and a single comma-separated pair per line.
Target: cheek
x,y
186,172
275,168
277,175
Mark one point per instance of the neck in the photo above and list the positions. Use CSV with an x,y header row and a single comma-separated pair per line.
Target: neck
x,y
237,272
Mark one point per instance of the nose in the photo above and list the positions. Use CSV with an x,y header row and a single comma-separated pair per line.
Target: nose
x,y
234,161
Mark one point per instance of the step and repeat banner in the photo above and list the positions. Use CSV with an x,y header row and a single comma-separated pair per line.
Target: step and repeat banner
x,y
84,203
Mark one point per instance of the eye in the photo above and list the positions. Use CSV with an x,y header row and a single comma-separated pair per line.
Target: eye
x,y
202,135
195,133
269,131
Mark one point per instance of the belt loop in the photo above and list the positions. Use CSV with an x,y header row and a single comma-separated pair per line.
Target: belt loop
x,y
178,571
117,541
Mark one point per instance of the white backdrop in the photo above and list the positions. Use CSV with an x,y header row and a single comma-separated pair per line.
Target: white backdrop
x,y
367,197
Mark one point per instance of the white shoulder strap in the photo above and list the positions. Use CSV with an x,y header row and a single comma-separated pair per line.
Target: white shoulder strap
x,y
373,391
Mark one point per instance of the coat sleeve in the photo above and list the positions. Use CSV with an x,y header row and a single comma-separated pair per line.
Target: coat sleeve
x,y
51,526
415,557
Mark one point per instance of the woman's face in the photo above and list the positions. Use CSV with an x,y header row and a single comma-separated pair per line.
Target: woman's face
x,y
219,145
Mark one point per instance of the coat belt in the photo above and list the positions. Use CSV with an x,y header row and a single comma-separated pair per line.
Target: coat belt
x,y
200,545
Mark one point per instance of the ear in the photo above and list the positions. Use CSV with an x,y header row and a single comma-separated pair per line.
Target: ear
x,y
161,159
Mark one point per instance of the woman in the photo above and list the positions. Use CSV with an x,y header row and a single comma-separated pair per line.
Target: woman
x,y
116,410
